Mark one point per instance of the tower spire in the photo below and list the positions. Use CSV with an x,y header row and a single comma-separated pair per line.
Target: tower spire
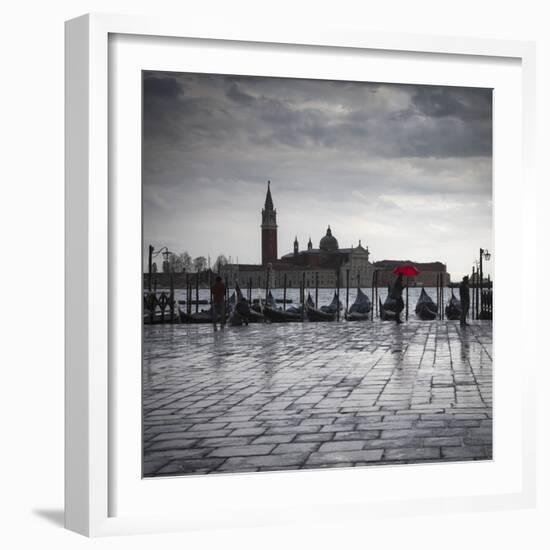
x,y
268,200
269,229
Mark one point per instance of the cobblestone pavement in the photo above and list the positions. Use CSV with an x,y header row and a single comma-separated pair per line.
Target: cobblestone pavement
x,y
315,395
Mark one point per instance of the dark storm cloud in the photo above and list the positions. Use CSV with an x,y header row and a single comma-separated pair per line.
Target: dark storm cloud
x,y
235,93
433,122
357,153
161,86
464,104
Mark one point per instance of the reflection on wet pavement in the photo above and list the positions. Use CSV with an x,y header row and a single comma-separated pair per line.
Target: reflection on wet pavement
x,y
312,395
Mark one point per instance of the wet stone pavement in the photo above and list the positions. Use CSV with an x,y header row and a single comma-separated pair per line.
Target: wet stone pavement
x,y
315,395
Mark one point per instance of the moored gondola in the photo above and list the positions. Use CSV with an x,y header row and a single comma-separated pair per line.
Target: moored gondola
x,y
255,317
425,307
278,315
453,309
237,319
360,309
318,315
204,316
300,308
324,313
393,305
270,300
388,309
241,312
333,306
158,317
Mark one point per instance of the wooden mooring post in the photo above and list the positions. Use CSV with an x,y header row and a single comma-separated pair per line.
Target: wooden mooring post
x,y
376,294
338,295
472,305
442,297
172,301
407,300
374,303
150,268
187,295
284,292
347,290
439,305
477,293
437,293
316,289
197,293
210,289
225,282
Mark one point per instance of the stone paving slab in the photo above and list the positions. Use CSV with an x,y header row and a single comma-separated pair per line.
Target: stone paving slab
x,y
315,395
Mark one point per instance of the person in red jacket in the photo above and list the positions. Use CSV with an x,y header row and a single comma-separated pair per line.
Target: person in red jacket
x,y
218,303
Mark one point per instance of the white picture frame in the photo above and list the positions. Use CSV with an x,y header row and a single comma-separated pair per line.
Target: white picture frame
x,y
99,501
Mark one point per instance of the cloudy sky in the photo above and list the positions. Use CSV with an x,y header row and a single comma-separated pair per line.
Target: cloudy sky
x,y
406,169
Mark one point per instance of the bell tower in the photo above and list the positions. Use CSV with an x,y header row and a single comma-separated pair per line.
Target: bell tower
x,y
269,229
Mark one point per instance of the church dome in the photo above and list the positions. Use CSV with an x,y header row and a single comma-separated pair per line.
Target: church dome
x,y
328,242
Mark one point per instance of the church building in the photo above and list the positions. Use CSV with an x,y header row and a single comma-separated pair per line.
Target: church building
x,y
322,265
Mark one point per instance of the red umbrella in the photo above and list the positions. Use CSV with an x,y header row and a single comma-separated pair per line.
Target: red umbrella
x,y
406,270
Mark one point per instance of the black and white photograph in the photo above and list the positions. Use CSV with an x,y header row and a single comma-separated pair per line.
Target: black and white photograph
x,y
293,261
317,267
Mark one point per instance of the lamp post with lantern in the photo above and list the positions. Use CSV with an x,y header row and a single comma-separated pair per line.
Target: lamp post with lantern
x,y
153,254
483,254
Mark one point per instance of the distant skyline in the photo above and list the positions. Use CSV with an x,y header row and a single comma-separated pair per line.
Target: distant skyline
x,y
406,169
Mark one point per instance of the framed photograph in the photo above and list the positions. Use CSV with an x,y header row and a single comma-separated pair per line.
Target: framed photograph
x,y
288,276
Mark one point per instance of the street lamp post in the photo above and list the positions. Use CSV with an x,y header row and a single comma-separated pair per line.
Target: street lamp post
x,y
152,254
150,268
482,254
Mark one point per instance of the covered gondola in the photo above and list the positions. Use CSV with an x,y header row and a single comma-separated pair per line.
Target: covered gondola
x,y
279,315
158,317
324,313
299,309
240,310
270,300
334,306
318,315
275,314
453,309
425,307
259,303
204,316
360,309
388,309
237,319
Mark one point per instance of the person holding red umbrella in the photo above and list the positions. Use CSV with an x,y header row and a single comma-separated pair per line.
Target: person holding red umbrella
x,y
397,295
397,290
406,270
